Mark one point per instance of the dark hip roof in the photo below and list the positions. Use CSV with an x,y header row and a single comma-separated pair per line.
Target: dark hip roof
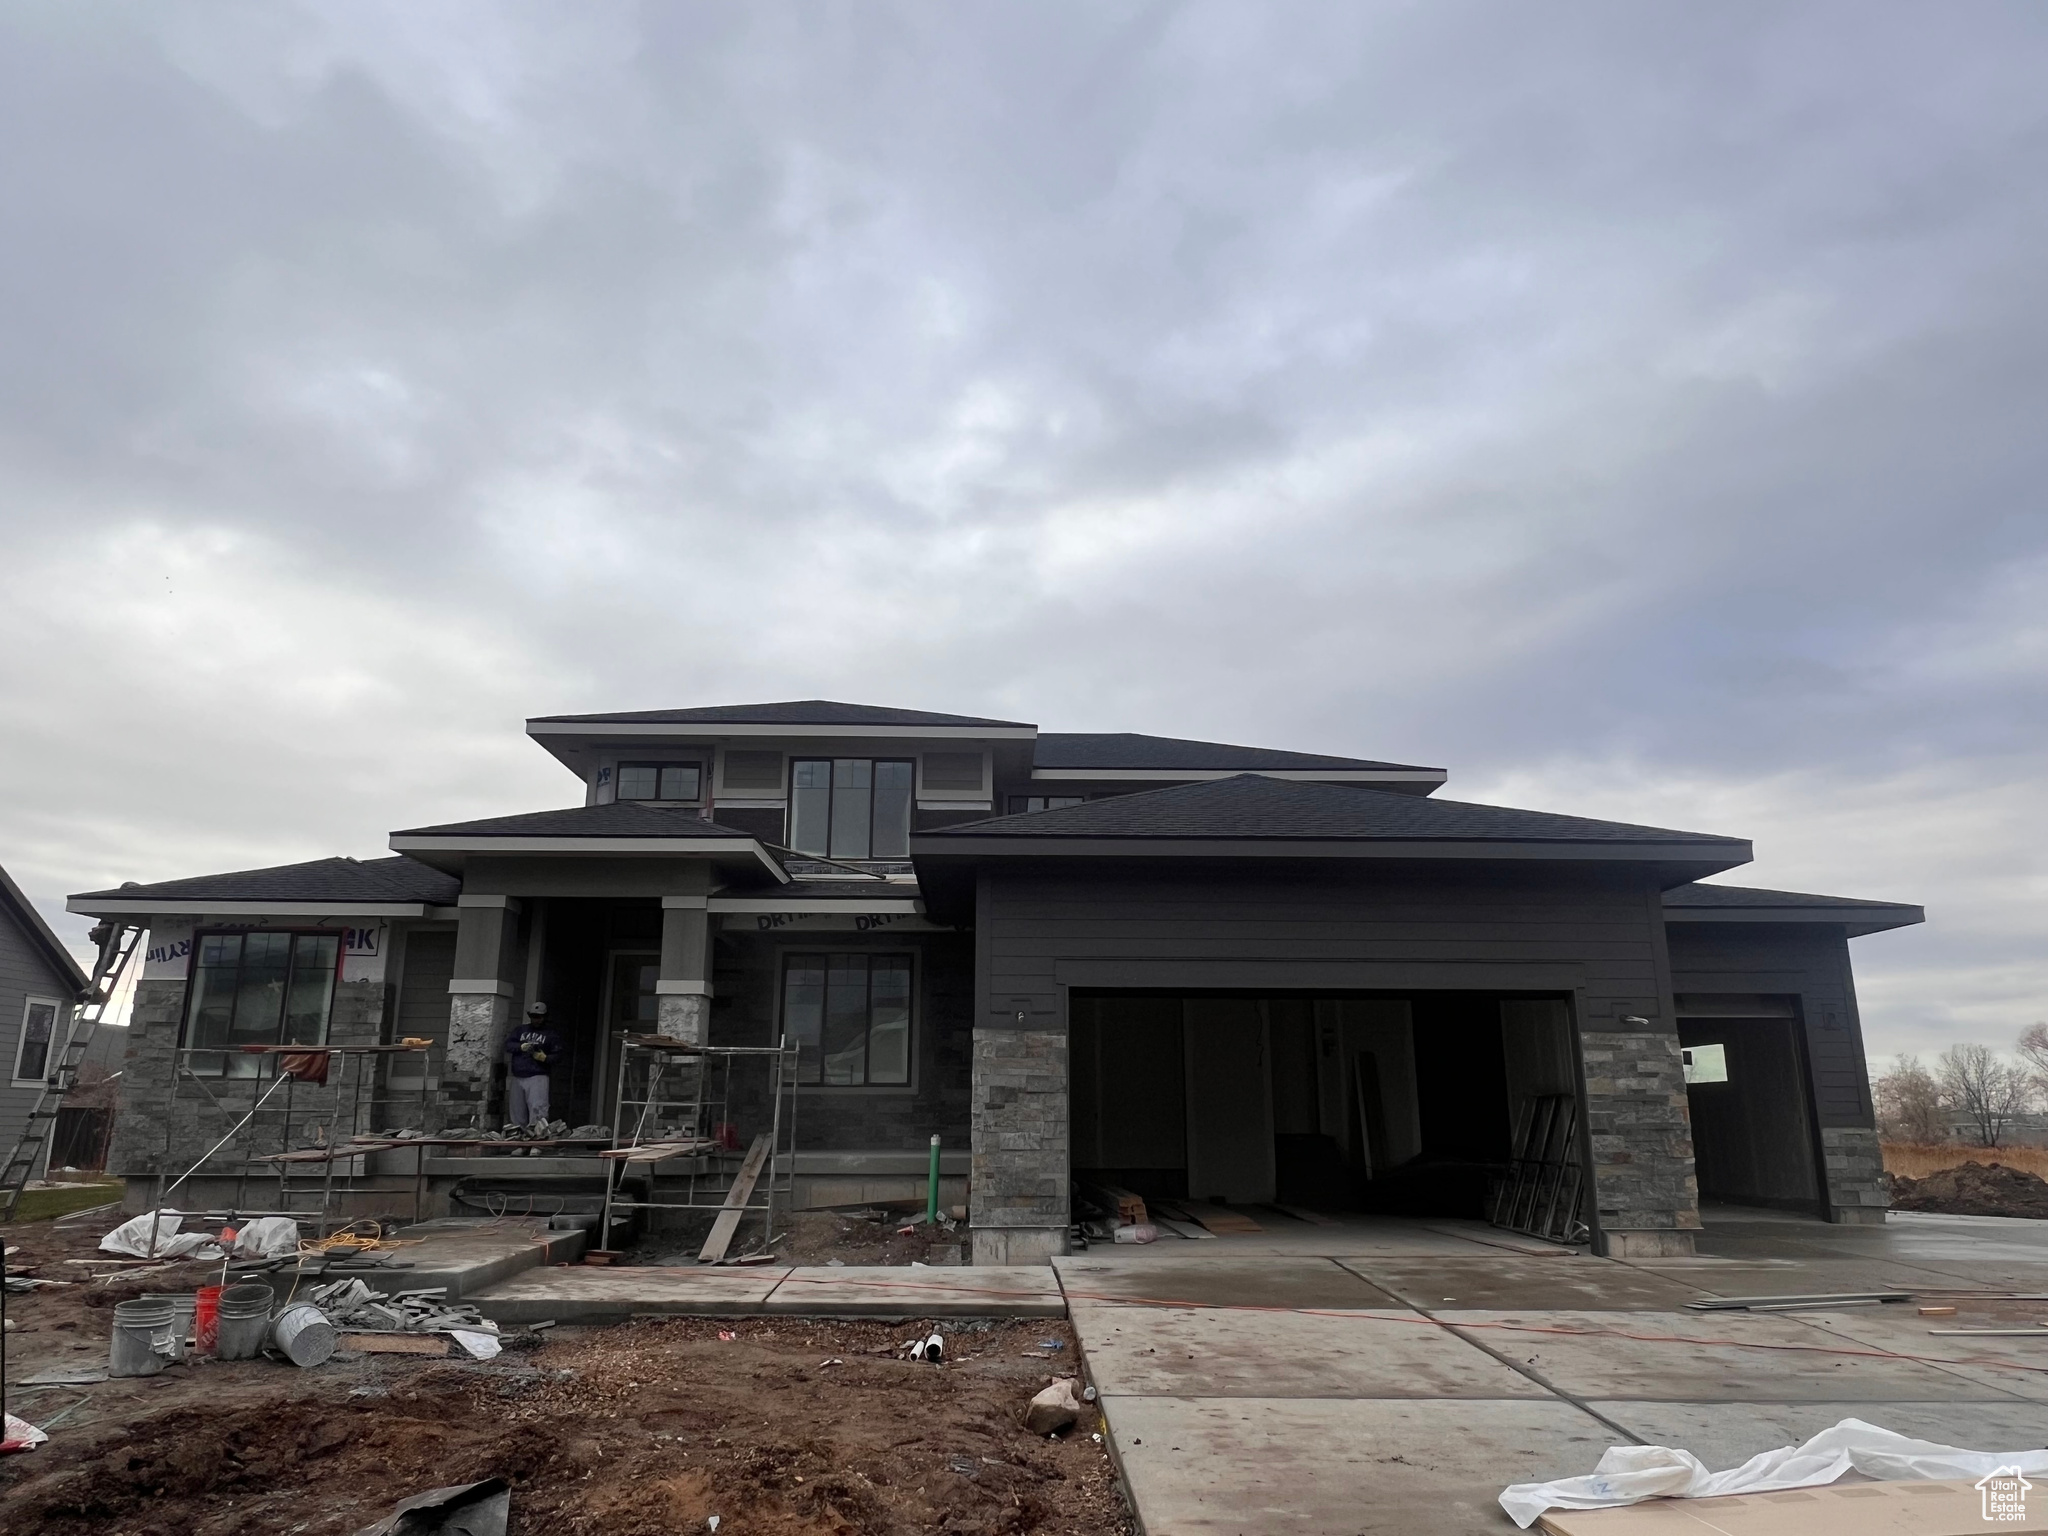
x,y
1252,807
795,712
1126,750
1697,894
621,818
397,879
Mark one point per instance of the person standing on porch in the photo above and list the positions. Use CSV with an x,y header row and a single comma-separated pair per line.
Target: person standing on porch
x,y
532,1052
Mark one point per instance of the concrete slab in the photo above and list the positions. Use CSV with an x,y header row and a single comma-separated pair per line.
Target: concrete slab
x,y
581,1294
1999,1366
1322,1467
1218,1352
1725,1435
1566,1284
1307,1280
465,1256
1706,1357
983,1290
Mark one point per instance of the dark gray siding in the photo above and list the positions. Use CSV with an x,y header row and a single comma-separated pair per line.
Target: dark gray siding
x,y
25,972
1306,928
747,969
1809,961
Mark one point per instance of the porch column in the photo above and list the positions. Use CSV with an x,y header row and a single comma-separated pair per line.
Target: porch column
x,y
1641,1135
683,989
1017,1190
480,998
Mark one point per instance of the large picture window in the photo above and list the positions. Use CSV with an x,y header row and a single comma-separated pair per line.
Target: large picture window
x,y
850,807
261,988
38,1036
849,1015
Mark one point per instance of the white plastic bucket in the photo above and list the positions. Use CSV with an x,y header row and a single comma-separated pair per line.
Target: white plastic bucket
x,y
142,1337
244,1321
303,1334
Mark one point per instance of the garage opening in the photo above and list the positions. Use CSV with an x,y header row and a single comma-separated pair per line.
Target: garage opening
x,y
1747,1086
1423,1105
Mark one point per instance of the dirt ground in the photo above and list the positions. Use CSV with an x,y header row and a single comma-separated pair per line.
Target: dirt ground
x,y
1914,1160
651,1427
1973,1189
868,1236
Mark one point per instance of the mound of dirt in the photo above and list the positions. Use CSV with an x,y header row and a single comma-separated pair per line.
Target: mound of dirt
x,y
1973,1189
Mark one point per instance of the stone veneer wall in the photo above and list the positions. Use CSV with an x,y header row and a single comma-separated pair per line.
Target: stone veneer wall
x,y
151,1100
1641,1131
1018,1176
1853,1166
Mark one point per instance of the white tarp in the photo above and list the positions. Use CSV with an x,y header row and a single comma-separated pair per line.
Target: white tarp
x,y
267,1237
1629,1474
132,1238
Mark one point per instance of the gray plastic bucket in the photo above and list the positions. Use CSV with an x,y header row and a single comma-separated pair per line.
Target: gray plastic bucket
x,y
303,1333
182,1307
244,1320
142,1338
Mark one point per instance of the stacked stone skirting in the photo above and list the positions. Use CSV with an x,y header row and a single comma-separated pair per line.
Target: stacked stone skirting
x,y
1853,1169
1644,1186
1018,1201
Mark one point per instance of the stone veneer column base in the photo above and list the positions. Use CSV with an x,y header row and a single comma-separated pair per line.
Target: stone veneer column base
x,y
1017,1191
1640,1128
477,1025
1649,1245
682,1017
1853,1172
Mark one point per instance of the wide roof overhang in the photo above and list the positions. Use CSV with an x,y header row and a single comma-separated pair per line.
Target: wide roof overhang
x,y
741,858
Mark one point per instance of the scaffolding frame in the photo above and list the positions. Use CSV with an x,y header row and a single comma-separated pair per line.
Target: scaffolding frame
x,y
350,1096
702,1134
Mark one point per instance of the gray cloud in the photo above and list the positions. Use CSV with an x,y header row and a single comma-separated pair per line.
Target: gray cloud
x,y
1635,409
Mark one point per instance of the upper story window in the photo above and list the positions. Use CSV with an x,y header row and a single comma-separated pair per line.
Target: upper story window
x,y
850,807
1020,804
660,781
259,988
38,1033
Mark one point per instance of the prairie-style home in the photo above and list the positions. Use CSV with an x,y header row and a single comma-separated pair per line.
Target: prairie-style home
x,y
1195,970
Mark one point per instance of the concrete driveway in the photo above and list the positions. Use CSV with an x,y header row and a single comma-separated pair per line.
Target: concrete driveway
x,y
1379,1375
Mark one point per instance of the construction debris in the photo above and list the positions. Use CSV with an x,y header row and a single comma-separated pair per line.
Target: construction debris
x,y
470,1509
1797,1303
352,1306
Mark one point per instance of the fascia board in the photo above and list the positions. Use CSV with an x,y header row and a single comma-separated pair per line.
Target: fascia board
x,y
798,904
632,847
1208,775
146,907
597,730
1725,854
1864,919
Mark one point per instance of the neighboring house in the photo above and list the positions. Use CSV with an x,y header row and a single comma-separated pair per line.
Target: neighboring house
x,y
39,987
1198,970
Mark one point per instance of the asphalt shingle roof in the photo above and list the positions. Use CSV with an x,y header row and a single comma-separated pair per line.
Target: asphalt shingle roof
x,y
1699,895
1127,750
396,879
793,712
622,818
14,901
1253,807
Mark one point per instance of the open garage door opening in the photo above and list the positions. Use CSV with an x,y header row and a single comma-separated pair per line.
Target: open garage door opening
x,y
1432,1104
1747,1086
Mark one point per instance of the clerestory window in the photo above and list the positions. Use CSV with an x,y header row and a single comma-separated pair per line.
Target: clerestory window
x,y
850,807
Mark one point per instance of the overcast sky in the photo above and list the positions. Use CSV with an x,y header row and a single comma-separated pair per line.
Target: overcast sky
x,y
1637,409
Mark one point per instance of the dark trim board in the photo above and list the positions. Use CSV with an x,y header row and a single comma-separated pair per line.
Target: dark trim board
x,y
1323,977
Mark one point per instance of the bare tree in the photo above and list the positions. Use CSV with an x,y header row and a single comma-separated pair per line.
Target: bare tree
x,y
1988,1091
2033,1049
1909,1106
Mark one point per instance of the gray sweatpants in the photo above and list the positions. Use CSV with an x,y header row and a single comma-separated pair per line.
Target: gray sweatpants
x,y
527,1098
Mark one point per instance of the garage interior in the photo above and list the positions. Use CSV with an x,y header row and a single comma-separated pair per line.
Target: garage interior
x,y
1748,1087
1407,1105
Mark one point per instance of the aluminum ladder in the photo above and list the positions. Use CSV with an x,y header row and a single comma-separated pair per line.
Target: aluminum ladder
x,y
118,943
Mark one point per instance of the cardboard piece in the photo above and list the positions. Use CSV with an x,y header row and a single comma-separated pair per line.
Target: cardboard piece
x,y
1955,1507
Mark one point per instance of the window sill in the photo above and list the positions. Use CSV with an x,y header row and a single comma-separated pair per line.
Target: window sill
x,y
865,1089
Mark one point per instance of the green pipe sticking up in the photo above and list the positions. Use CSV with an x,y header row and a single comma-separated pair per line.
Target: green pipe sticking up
x,y
931,1189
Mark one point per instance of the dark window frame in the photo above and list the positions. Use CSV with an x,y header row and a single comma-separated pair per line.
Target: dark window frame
x,y
229,1060
696,766
810,1061
832,792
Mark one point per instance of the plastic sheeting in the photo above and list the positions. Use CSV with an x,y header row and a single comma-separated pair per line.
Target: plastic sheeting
x,y
267,1237
1629,1474
132,1237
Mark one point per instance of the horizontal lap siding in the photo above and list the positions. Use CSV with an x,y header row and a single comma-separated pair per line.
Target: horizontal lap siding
x,y
24,973
1810,962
